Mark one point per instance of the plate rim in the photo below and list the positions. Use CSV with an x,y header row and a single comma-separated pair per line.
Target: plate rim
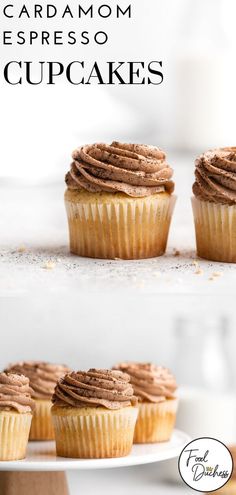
x,y
71,464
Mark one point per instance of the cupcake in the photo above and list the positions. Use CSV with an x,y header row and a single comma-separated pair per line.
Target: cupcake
x,y
155,388
94,414
16,408
119,201
43,378
214,205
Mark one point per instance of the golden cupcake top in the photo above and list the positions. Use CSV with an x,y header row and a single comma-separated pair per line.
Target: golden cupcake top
x,y
42,376
215,176
94,388
15,393
136,170
151,383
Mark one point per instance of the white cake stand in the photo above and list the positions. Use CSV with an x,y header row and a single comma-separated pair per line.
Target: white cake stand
x,y
43,473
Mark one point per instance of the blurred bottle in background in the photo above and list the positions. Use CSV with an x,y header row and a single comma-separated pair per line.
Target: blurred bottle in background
x,y
204,77
207,396
207,393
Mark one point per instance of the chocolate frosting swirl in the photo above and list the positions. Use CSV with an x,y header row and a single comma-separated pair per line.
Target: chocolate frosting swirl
x,y
94,388
15,393
150,383
136,170
215,176
42,376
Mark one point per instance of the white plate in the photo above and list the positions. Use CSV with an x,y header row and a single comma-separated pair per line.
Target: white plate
x,y
41,456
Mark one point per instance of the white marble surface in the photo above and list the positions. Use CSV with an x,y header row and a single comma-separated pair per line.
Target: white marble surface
x,y
34,232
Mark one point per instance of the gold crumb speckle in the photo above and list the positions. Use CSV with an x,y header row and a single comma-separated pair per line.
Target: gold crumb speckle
x,y
215,275
49,265
199,271
21,249
176,252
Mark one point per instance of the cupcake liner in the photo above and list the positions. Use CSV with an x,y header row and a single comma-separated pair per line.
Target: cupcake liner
x,y
94,433
114,226
155,422
14,434
228,489
42,427
215,227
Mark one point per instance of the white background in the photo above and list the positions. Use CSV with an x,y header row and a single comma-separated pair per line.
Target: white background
x,y
193,108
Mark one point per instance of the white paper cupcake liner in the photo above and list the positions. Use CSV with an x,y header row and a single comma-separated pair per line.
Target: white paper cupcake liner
x,y
155,422
215,227
94,433
14,434
130,228
42,427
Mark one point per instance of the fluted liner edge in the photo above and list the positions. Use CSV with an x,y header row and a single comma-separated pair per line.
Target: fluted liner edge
x,y
155,422
14,434
98,434
215,227
132,229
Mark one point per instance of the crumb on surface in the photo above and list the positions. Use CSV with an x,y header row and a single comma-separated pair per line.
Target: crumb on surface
x,y
199,271
21,248
49,265
176,252
158,275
